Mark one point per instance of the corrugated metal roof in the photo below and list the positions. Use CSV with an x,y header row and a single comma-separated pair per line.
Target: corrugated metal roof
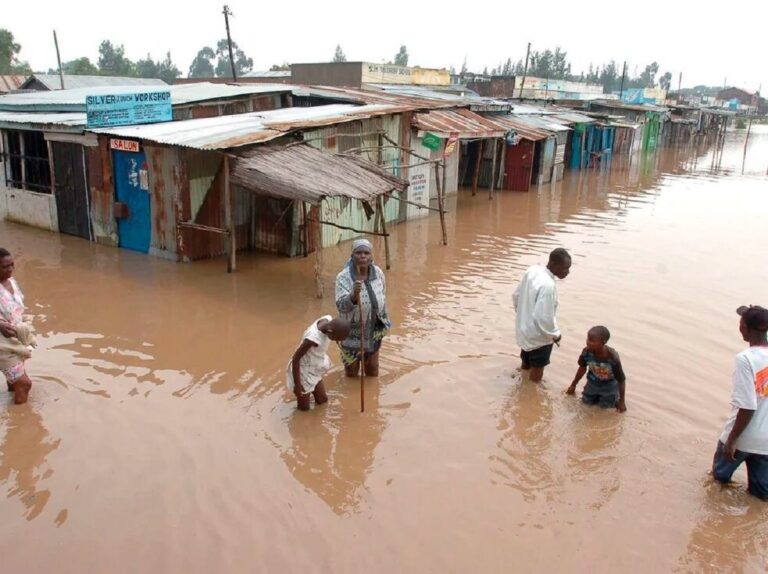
x,y
523,128
74,100
574,118
308,174
9,83
545,123
244,129
457,95
267,74
53,81
464,122
404,102
13,120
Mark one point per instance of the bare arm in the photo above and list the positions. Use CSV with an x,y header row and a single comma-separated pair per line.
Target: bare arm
x,y
305,346
743,417
579,373
7,329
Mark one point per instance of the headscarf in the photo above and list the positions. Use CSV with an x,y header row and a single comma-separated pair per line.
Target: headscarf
x,y
362,243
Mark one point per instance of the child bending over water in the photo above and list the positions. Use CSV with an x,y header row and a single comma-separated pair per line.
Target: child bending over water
x,y
606,383
310,361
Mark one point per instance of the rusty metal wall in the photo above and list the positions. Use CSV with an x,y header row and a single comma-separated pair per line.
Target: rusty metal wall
x,y
167,182
100,184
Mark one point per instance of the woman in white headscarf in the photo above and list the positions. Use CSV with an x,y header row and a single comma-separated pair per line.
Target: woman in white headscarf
x,y
362,280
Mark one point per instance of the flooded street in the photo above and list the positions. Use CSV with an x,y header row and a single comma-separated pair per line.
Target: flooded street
x,y
160,436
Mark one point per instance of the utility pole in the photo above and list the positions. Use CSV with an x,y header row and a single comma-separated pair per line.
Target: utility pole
x,y
227,14
525,70
679,87
623,75
58,59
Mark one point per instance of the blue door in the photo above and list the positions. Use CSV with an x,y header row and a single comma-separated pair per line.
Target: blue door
x,y
132,189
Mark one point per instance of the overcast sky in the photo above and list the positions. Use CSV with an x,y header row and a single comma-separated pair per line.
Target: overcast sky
x,y
681,35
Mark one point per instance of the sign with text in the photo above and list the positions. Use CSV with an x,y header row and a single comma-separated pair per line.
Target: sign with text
x,y
140,107
124,145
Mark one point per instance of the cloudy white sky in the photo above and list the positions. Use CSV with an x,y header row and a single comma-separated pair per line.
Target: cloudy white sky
x,y
702,41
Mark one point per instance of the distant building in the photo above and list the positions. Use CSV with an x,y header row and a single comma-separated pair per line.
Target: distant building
x,y
11,83
50,82
738,100
551,89
359,74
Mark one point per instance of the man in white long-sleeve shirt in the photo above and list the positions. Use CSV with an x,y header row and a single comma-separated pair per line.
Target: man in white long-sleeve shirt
x,y
535,301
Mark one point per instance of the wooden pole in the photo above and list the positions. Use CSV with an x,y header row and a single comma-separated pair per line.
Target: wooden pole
x,y
306,227
22,152
58,59
383,220
231,247
525,70
319,253
227,14
478,161
362,346
51,167
493,169
440,203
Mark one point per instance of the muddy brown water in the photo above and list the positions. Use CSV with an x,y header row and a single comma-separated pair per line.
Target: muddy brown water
x,y
160,438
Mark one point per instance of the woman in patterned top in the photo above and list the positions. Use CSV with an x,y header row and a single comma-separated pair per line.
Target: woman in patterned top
x,y
11,318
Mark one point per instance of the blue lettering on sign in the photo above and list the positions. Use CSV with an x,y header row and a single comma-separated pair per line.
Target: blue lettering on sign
x,y
147,107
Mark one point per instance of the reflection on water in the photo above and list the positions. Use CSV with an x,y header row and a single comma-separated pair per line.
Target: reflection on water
x,y
160,397
23,455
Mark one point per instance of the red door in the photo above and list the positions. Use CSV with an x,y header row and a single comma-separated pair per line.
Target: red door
x,y
519,165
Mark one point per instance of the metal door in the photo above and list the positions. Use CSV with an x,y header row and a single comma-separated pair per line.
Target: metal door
x,y
519,165
72,204
132,190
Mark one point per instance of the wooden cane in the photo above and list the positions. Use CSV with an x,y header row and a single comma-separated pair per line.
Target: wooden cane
x,y
362,347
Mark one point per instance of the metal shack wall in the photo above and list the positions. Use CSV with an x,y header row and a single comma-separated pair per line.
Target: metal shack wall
x,y
340,139
101,187
168,182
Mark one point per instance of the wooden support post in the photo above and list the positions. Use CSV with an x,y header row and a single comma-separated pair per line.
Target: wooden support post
x,y
319,253
387,256
305,221
440,203
23,162
478,163
493,169
228,224
50,167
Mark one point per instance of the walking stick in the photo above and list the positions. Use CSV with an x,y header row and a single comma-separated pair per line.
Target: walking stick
x,y
362,348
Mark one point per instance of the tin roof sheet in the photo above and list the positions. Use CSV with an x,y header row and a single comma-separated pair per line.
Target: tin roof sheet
x,y
464,122
308,174
53,81
13,120
11,82
523,128
74,100
224,132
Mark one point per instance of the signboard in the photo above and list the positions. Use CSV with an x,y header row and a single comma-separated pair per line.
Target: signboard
x,y
141,107
385,74
450,145
124,145
431,141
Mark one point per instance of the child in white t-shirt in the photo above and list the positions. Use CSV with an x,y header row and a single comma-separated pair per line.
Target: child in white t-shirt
x,y
310,361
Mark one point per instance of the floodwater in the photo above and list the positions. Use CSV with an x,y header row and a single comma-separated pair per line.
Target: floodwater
x,y
160,437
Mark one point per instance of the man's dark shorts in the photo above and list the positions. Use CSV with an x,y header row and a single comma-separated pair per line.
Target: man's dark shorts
x,y
537,358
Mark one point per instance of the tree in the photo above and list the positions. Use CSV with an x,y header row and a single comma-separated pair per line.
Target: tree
x,y
339,55
284,67
9,55
202,65
648,77
485,71
665,81
610,78
243,63
464,67
146,68
112,61
401,58
79,67
507,69
167,70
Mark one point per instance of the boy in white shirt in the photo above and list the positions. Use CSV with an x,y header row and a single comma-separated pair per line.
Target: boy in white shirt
x,y
310,361
745,437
